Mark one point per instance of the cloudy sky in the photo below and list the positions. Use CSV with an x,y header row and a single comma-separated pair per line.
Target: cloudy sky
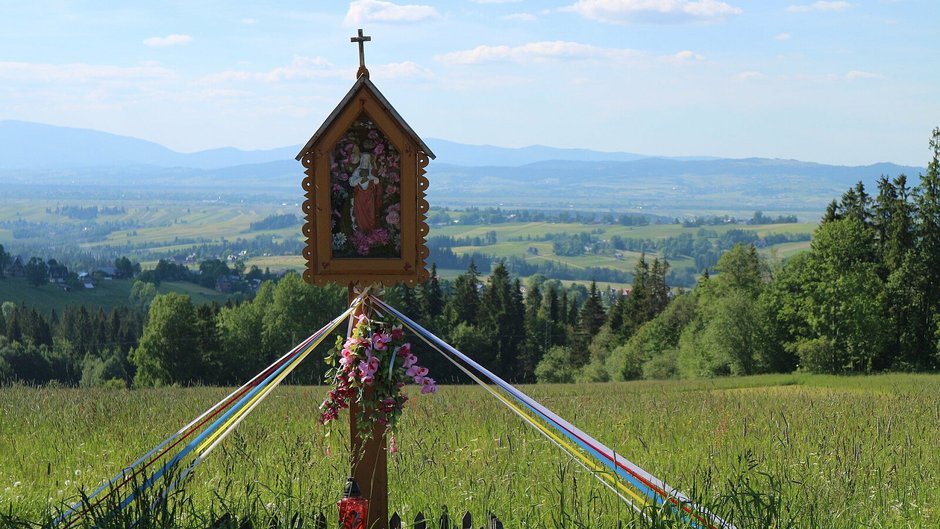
x,y
849,82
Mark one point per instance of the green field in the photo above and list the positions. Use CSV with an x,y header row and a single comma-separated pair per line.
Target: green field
x,y
779,451
158,229
106,294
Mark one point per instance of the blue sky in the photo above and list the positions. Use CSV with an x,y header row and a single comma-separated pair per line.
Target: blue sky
x,y
848,82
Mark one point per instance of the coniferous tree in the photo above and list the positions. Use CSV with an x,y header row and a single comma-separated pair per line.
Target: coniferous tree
x,y
501,320
431,298
927,230
832,212
409,302
537,334
4,261
635,308
465,303
590,320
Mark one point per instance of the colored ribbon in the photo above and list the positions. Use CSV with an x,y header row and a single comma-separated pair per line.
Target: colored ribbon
x,y
657,491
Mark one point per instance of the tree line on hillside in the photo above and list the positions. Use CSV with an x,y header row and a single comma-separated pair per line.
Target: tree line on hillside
x,y
865,298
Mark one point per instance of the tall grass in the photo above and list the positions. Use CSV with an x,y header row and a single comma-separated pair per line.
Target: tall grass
x,y
779,451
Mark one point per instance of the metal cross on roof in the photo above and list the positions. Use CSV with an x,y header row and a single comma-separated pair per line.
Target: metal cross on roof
x,y
361,40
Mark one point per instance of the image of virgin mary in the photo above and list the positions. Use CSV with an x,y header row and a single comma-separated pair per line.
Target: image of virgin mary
x,y
367,194
365,174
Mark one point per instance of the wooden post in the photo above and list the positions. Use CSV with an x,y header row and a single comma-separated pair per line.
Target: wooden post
x,y
370,461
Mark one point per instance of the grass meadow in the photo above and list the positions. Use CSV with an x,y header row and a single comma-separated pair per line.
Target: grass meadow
x,y
779,451
106,294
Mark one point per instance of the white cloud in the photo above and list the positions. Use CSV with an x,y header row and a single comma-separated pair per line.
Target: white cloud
x,y
858,74
655,11
221,93
535,52
750,76
397,70
783,36
820,5
78,72
169,40
301,68
364,11
248,21
687,55
520,17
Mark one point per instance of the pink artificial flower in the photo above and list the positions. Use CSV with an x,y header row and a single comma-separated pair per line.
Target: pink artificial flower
x,y
417,371
398,333
428,386
392,218
410,359
419,380
380,341
406,349
392,446
379,149
347,357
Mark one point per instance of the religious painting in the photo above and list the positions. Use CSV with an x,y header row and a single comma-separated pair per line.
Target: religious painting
x,y
365,193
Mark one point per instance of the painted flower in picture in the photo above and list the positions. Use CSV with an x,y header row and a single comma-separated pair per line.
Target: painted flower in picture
x,y
371,367
365,174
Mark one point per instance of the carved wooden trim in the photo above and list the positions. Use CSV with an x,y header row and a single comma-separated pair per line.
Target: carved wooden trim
x,y
321,266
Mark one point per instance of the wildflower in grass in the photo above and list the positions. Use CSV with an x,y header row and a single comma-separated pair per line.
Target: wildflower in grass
x,y
392,445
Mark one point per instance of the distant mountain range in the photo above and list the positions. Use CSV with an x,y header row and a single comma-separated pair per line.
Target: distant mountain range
x,y
462,175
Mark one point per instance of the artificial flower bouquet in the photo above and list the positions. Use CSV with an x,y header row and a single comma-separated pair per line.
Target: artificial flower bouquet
x,y
371,368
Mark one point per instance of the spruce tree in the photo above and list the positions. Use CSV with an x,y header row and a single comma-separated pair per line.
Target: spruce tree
x,y
465,303
431,297
590,320
927,229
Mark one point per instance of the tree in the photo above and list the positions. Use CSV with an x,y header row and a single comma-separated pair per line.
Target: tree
x,y
4,260
893,221
725,336
465,303
296,311
37,272
431,298
241,335
501,317
844,298
125,269
142,295
168,353
590,320
927,231
556,367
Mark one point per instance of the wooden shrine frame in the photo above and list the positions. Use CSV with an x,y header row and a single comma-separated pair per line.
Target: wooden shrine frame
x,y
321,266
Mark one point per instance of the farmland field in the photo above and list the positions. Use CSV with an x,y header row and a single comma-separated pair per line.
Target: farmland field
x,y
796,451
106,295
